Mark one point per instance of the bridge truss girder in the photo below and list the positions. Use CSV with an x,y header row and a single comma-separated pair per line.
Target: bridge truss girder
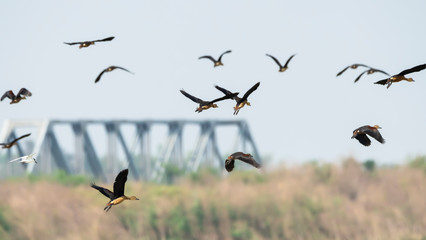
x,y
142,166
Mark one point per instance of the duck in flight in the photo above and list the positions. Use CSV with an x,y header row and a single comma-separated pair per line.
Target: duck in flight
x,y
217,62
247,158
243,101
361,134
22,94
204,105
401,76
117,196
353,66
26,159
88,43
236,98
12,143
282,68
109,69
370,71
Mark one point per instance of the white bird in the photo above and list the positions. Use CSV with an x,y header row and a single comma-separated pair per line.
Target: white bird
x,y
26,159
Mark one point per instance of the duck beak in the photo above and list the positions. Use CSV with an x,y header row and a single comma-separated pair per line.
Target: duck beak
x,y
35,161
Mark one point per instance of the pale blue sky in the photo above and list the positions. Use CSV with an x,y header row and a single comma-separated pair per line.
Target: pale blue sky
x,y
303,114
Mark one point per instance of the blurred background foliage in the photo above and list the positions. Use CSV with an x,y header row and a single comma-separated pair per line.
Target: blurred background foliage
x,y
349,200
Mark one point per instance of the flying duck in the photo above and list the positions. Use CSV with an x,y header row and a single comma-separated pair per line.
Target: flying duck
x,y
227,92
400,76
204,105
117,196
109,69
247,158
88,43
353,66
219,61
22,94
243,101
361,134
26,159
12,143
282,68
370,71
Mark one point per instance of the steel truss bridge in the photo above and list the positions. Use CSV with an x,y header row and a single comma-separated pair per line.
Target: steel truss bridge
x,y
84,157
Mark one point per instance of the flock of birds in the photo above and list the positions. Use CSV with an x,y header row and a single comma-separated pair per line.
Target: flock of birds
x,y
387,81
361,133
117,196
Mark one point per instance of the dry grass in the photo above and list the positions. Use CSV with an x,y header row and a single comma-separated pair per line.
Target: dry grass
x,y
308,202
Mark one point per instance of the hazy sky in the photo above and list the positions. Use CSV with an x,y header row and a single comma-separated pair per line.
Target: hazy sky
x,y
304,113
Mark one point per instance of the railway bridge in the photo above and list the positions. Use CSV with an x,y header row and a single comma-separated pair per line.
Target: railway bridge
x,y
100,148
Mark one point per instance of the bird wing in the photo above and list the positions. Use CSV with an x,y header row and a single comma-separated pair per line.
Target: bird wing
x,y
220,58
363,139
247,158
119,183
122,69
16,159
24,92
229,165
100,75
382,82
74,43
223,90
19,138
236,154
105,39
9,94
276,60
228,96
194,99
208,57
413,69
373,132
381,71
286,64
340,73
107,193
361,65
252,89
356,80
